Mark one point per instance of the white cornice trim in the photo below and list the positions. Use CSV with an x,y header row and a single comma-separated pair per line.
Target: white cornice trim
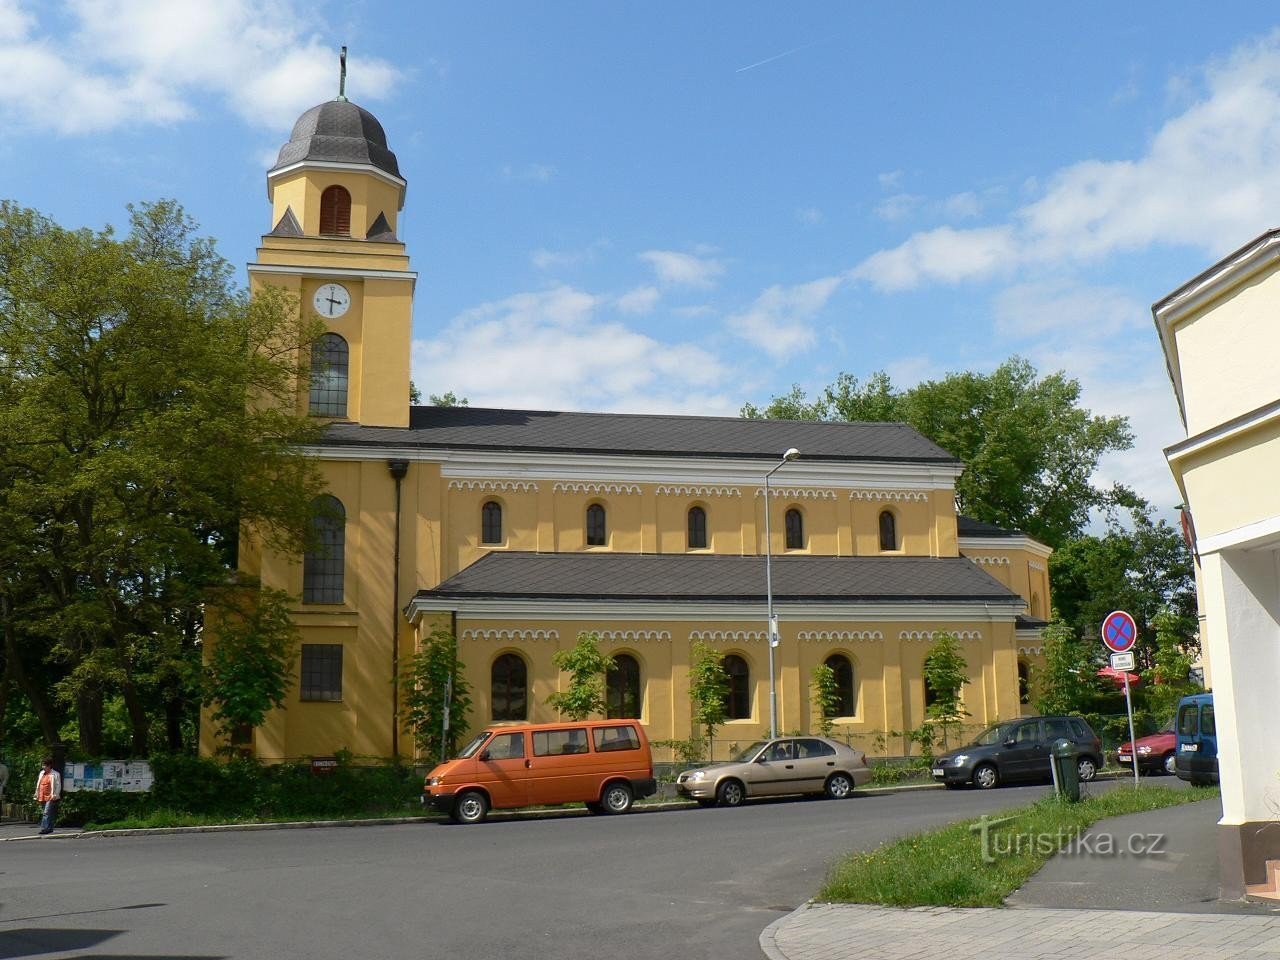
x,y
1227,273
1261,417
289,270
615,610
1261,533
338,167
997,544
612,468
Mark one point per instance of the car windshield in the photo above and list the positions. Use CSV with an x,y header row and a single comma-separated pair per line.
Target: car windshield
x,y
476,742
997,734
742,756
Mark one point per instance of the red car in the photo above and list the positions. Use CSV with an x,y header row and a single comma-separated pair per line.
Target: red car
x,y
1156,753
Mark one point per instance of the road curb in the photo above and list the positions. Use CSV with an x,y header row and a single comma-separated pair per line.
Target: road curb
x,y
769,935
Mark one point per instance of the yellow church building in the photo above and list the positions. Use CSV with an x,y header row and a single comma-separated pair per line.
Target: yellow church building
x,y
520,529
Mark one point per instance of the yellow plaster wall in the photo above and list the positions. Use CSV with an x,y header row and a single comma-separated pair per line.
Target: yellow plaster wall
x,y
1231,484
301,190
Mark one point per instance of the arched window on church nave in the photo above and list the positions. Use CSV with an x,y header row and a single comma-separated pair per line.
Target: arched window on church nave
x,y
509,688
795,529
324,564
622,688
595,526
737,702
330,360
1024,681
846,704
491,522
697,528
888,531
335,212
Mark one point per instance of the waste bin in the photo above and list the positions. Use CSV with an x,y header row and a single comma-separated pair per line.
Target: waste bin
x,y
1065,757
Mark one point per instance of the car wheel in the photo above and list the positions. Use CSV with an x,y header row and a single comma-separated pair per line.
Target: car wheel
x,y
470,807
730,794
594,807
986,776
616,798
1087,769
1170,763
838,786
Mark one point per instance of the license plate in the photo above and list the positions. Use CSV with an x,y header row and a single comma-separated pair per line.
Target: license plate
x,y
1123,759
1190,747
937,771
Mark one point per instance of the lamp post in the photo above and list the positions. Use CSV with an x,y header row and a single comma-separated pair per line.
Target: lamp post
x,y
772,631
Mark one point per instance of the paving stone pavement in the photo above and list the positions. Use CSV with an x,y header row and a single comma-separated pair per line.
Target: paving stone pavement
x,y
829,931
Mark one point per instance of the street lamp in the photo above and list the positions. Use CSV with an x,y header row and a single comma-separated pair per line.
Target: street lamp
x,y
772,631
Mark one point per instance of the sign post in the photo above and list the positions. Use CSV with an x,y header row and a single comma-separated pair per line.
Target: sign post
x,y
1119,634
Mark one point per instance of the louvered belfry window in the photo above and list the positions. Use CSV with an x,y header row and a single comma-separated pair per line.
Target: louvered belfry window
x,y
335,212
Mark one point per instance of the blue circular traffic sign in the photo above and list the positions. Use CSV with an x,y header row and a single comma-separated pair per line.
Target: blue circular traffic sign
x,y
1119,632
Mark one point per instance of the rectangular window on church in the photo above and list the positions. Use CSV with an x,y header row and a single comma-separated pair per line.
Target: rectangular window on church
x,y
321,671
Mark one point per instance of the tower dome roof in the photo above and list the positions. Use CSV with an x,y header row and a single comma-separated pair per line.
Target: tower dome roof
x,y
338,131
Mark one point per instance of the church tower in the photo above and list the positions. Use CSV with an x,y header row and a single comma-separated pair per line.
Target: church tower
x,y
336,194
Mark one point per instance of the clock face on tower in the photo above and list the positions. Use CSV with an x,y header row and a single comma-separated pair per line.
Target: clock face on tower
x,y
332,300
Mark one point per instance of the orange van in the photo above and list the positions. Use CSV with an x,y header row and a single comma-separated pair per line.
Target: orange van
x,y
603,763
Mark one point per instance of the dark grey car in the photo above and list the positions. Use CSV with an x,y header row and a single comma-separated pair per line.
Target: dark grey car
x,y
1018,750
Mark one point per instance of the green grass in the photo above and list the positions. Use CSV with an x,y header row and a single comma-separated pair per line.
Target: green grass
x,y
945,867
173,818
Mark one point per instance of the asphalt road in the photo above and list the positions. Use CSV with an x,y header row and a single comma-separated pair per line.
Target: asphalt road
x,y
685,884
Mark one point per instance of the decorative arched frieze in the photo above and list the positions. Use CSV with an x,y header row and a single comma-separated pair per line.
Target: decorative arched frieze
x,y
900,496
567,486
933,634
839,636
990,561
1031,651
696,492
1035,566
513,486
727,636
511,636
799,493
632,636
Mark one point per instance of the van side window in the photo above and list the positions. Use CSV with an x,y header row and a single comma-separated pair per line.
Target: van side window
x,y
1187,720
1208,725
616,738
555,743
1077,728
1028,733
506,746
1057,730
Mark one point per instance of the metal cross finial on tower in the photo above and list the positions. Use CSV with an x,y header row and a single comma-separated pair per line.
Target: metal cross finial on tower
x,y
342,74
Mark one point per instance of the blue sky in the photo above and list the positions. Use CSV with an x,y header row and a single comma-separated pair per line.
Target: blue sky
x,y
684,207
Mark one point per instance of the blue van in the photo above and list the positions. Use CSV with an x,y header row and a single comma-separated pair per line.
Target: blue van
x,y
1197,757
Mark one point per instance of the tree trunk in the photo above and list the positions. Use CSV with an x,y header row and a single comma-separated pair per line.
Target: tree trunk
x,y
173,724
15,669
89,713
139,722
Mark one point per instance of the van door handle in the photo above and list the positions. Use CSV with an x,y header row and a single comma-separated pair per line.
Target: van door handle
x,y
528,764
831,763
791,766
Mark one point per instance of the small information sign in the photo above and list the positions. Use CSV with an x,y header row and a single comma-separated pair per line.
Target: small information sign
x,y
1122,661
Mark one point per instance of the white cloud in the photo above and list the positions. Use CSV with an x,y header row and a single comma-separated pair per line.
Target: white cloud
x,y
1202,182
529,173
961,206
890,180
780,320
1060,307
130,61
676,269
545,259
639,300
809,215
899,206
552,349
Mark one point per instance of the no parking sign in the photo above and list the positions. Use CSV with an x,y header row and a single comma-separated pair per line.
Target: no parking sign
x,y
1119,632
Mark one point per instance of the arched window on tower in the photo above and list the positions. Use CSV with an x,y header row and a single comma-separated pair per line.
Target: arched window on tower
x,y
335,212
795,529
697,528
888,531
622,688
330,360
491,522
595,526
737,702
846,704
324,564
509,688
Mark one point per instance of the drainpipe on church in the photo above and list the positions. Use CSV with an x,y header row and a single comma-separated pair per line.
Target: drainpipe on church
x,y
398,470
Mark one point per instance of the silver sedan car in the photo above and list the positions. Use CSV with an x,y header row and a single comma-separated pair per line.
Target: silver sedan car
x,y
776,767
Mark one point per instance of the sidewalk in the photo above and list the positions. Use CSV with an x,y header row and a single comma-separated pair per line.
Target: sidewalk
x,y
1076,908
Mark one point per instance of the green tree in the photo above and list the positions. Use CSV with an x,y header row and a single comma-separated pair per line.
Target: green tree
x,y
247,670
708,690
432,683
1068,682
446,400
1029,449
945,674
587,668
1168,679
147,417
826,696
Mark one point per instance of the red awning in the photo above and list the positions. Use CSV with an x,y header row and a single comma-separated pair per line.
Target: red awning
x,y
1117,677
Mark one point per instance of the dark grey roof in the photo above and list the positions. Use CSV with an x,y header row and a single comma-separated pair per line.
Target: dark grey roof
x,y
643,435
381,231
1030,623
288,225
969,527
338,131
693,578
